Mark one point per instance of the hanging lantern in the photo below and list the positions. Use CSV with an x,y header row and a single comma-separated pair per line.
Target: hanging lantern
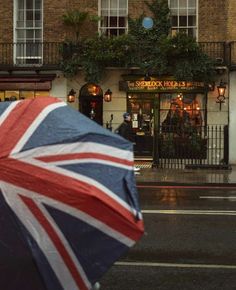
x,y
107,96
221,93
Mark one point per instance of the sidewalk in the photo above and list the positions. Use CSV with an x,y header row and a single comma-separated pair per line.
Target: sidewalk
x,y
187,176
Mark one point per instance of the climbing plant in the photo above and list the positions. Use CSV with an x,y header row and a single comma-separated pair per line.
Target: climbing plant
x,y
153,50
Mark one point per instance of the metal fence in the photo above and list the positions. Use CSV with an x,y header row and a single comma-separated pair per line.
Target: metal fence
x,y
181,147
52,53
30,54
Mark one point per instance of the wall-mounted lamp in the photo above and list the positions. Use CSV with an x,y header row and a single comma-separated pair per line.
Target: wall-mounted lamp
x,y
108,95
71,96
221,93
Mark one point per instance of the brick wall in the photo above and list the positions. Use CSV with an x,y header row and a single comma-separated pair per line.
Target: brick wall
x,y
138,7
213,20
54,30
6,27
231,21
217,18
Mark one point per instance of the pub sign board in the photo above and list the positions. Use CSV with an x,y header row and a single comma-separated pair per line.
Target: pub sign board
x,y
161,85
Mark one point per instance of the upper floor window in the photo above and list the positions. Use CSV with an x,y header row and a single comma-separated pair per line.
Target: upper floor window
x,y
114,17
28,31
184,16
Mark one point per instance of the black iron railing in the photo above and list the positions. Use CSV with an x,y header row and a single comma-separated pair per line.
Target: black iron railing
x,y
216,50
50,54
30,54
180,147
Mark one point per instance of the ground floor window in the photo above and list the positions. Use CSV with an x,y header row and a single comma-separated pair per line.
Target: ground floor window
x,y
182,110
173,124
13,95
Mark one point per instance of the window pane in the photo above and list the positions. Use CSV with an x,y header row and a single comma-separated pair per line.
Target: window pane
x,y
174,21
20,23
20,33
37,15
191,21
114,4
29,23
37,4
182,3
192,32
123,4
182,11
29,4
114,12
104,21
30,34
38,34
113,21
173,3
20,15
20,4
121,22
29,15
114,32
104,12
174,12
104,4
122,12
182,21
192,12
191,3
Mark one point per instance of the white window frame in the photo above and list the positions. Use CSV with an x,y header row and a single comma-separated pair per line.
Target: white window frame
x,y
107,29
28,51
187,27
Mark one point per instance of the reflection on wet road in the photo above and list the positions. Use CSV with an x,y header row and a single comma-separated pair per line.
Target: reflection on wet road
x,y
189,230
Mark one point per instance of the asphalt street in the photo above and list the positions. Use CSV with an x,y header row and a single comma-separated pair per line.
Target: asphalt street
x,y
189,241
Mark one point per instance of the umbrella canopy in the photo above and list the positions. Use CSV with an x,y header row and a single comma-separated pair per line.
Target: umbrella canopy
x,y
69,205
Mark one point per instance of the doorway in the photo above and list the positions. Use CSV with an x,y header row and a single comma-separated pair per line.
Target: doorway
x,y
141,108
91,102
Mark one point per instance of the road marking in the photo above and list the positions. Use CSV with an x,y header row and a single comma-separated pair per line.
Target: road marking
x,y
232,197
175,265
190,212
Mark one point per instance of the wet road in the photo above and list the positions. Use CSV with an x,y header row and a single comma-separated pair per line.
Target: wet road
x,y
189,241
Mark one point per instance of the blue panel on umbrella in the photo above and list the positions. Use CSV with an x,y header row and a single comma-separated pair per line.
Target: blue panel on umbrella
x,y
95,250
105,175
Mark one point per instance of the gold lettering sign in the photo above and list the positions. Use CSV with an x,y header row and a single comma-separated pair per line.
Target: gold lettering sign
x,y
163,85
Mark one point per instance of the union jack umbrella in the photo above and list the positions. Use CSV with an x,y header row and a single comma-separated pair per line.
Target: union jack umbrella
x,y
68,204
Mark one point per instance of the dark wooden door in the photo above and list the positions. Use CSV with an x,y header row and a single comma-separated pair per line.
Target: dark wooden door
x,y
92,107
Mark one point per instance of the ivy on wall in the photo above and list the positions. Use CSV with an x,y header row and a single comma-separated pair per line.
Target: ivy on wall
x,y
154,51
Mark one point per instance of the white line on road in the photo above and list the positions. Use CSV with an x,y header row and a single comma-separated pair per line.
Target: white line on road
x,y
232,197
175,265
190,212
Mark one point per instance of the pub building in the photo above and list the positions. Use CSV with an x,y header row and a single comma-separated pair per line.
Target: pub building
x,y
166,116
176,124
